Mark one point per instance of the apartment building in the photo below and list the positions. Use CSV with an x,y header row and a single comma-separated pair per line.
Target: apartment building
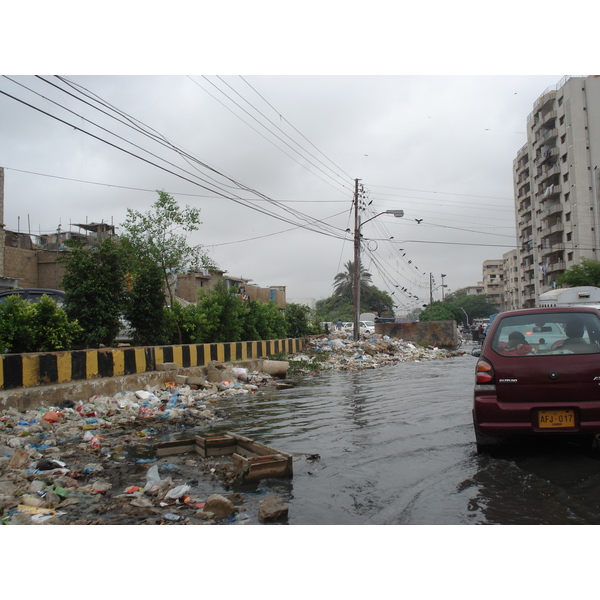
x,y
512,299
493,281
556,183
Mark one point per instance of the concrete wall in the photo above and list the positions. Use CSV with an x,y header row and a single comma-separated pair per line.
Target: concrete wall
x,y
442,334
21,264
46,368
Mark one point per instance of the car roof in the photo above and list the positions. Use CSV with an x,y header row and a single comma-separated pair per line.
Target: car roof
x,y
21,290
549,310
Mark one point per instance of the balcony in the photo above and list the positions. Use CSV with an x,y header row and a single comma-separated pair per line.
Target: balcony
x,y
549,172
550,249
554,208
544,101
548,118
549,192
555,228
546,155
548,136
561,265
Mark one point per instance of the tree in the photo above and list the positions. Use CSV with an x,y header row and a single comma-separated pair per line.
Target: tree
x,y
334,308
476,306
298,319
159,235
341,304
223,315
145,309
377,301
94,282
344,282
586,273
437,311
263,321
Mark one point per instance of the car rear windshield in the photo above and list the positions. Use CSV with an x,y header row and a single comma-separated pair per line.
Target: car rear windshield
x,y
554,333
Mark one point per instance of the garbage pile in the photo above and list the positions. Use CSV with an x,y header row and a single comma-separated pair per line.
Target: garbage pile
x,y
339,351
94,461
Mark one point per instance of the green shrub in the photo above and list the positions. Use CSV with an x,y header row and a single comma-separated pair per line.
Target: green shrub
x,y
39,327
16,325
263,321
298,320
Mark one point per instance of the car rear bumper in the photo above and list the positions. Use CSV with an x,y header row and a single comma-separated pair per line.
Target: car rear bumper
x,y
514,418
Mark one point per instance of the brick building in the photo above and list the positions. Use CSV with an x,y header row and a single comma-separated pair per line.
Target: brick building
x,y
34,261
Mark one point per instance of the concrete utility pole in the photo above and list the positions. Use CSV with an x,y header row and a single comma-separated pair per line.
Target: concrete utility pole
x,y
431,296
356,279
357,235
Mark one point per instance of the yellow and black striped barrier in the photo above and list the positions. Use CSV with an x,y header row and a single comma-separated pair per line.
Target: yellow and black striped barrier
x,y
46,368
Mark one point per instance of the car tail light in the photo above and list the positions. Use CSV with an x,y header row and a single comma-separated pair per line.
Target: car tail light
x,y
484,372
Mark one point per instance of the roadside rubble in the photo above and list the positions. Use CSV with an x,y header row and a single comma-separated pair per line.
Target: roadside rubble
x,y
94,461
340,352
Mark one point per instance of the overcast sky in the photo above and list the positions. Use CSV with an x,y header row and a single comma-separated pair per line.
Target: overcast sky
x,y
271,160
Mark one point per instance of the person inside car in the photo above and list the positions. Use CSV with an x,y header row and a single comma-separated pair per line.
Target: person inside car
x,y
516,346
574,331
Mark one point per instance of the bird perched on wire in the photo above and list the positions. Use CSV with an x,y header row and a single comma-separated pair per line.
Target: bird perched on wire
x,y
418,221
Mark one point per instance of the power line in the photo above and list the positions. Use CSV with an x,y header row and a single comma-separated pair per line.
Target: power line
x,y
294,128
271,142
332,232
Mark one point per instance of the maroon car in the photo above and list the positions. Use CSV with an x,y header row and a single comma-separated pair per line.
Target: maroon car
x,y
538,375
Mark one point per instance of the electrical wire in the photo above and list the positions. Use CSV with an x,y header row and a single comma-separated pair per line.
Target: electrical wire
x,y
319,226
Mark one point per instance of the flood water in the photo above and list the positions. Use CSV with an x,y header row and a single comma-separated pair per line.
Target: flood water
x,y
395,445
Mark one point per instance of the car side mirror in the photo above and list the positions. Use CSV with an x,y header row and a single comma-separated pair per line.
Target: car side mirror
x,y
476,352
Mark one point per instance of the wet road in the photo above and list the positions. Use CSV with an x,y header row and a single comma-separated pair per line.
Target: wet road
x,y
396,446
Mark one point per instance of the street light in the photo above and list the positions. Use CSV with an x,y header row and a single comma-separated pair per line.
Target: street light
x,y
357,226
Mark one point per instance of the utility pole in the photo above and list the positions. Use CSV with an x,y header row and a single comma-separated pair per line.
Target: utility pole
x,y
357,235
431,296
356,282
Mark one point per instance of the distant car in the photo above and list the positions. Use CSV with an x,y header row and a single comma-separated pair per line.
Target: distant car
x,y
538,376
34,294
367,327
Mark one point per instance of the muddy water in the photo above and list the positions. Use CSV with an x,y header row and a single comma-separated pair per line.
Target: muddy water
x,y
395,446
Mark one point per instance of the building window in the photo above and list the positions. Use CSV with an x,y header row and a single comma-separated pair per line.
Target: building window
x,y
570,256
566,177
568,217
562,120
560,100
567,196
564,157
563,138
569,236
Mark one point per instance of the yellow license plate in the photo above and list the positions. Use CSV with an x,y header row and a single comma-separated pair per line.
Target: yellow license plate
x,y
556,419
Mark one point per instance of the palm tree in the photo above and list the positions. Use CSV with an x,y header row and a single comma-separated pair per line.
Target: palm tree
x,y
344,282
